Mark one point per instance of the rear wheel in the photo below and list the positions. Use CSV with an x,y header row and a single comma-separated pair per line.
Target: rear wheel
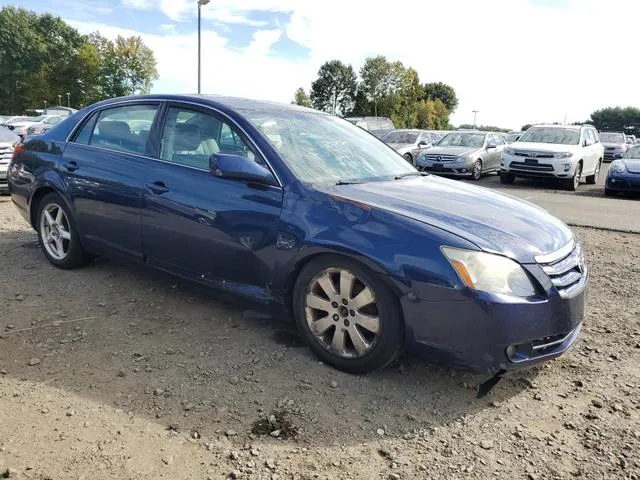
x,y
476,172
347,315
506,178
574,182
58,235
593,179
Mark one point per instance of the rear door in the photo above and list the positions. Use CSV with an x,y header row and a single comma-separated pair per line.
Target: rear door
x,y
104,166
200,225
497,154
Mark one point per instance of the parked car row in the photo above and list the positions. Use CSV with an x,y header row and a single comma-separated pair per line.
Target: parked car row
x,y
23,125
8,142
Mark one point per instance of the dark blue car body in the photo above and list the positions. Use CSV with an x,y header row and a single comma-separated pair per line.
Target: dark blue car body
x,y
625,179
251,240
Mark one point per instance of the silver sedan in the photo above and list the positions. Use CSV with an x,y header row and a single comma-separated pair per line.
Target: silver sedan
x,y
409,143
464,154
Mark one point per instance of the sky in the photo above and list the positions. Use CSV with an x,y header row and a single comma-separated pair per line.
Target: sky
x,y
515,61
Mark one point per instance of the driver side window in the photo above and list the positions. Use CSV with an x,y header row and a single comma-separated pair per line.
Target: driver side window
x,y
190,138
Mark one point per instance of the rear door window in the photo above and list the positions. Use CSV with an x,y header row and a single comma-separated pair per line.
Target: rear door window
x,y
124,128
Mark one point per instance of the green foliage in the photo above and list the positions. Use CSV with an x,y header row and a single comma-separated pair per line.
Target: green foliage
x,y
301,98
617,119
526,127
334,91
42,57
485,128
443,92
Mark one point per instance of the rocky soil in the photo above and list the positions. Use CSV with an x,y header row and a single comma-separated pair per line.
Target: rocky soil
x,y
116,371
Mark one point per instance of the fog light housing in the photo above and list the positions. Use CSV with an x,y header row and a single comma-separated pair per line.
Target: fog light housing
x,y
567,167
510,351
464,170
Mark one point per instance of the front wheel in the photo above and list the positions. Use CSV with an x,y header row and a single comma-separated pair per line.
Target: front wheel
x,y
57,234
507,178
573,183
348,316
593,179
408,158
476,172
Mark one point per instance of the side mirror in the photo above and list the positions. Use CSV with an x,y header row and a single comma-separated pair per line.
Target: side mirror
x,y
238,167
491,145
423,144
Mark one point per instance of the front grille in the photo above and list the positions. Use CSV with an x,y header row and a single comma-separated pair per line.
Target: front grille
x,y
530,166
439,158
530,154
567,272
5,154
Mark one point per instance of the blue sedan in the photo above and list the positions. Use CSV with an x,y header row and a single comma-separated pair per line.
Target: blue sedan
x,y
304,213
624,173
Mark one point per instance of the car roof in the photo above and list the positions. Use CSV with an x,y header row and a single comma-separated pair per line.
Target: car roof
x,y
552,125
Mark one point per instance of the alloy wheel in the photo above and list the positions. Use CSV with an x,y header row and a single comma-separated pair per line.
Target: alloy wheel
x,y
578,175
342,313
597,173
55,231
477,170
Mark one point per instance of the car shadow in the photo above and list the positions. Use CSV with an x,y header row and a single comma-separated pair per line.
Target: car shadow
x,y
162,349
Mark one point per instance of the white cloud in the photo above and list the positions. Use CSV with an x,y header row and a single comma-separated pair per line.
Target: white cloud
x,y
513,61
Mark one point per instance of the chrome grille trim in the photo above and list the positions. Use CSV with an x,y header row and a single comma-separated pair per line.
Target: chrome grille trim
x,y
558,254
566,269
439,158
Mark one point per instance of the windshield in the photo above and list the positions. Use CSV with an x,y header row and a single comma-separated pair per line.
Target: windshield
x,y
560,136
53,120
513,137
19,119
400,137
612,137
321,148
462,140
633,152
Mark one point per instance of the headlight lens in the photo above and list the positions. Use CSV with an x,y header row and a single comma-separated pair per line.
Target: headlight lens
x,y
562,155
617,167
510,151
489,272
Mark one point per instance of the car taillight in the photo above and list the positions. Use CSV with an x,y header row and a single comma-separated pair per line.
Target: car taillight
x,y
17,149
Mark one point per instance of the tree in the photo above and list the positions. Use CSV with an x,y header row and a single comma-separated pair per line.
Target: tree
x,y
42,58
334,90
617,119
375,75
443,92
526,127
301,98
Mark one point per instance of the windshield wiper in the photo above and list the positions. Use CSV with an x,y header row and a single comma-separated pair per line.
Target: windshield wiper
x,y
410,174
348,182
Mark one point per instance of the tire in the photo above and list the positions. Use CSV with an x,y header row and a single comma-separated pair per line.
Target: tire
x,y
58,235
476,172
408,158
573,183
507,178
311,301
609,192
593,179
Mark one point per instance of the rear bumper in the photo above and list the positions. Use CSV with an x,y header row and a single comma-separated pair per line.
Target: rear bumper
x,y
487,333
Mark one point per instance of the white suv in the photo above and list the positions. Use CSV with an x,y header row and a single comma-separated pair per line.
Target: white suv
x,y
565,152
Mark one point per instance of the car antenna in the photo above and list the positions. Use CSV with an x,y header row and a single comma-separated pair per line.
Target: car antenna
x,y
485,387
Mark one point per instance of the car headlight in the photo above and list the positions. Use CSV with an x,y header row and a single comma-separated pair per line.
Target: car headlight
x,y
489,272
617,167
562,155
510,151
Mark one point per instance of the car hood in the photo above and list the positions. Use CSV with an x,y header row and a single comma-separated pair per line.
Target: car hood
x,y
633,165
543,147
401,146
612,145
451,150
23,124
493,221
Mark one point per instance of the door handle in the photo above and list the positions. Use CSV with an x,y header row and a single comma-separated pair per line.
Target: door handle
x,y
71,166
157,187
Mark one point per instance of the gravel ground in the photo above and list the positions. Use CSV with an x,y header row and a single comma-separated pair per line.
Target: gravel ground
x,y
117,371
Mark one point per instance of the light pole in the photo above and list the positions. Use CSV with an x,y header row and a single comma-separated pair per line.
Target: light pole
x,y
201,3
68,100
45,107
475,112
59,100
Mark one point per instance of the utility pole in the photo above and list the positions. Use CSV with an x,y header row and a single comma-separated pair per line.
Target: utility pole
x,y
59,100
475,113
200,5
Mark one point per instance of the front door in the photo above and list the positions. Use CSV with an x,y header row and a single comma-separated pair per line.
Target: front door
x,y
203,226
103,166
